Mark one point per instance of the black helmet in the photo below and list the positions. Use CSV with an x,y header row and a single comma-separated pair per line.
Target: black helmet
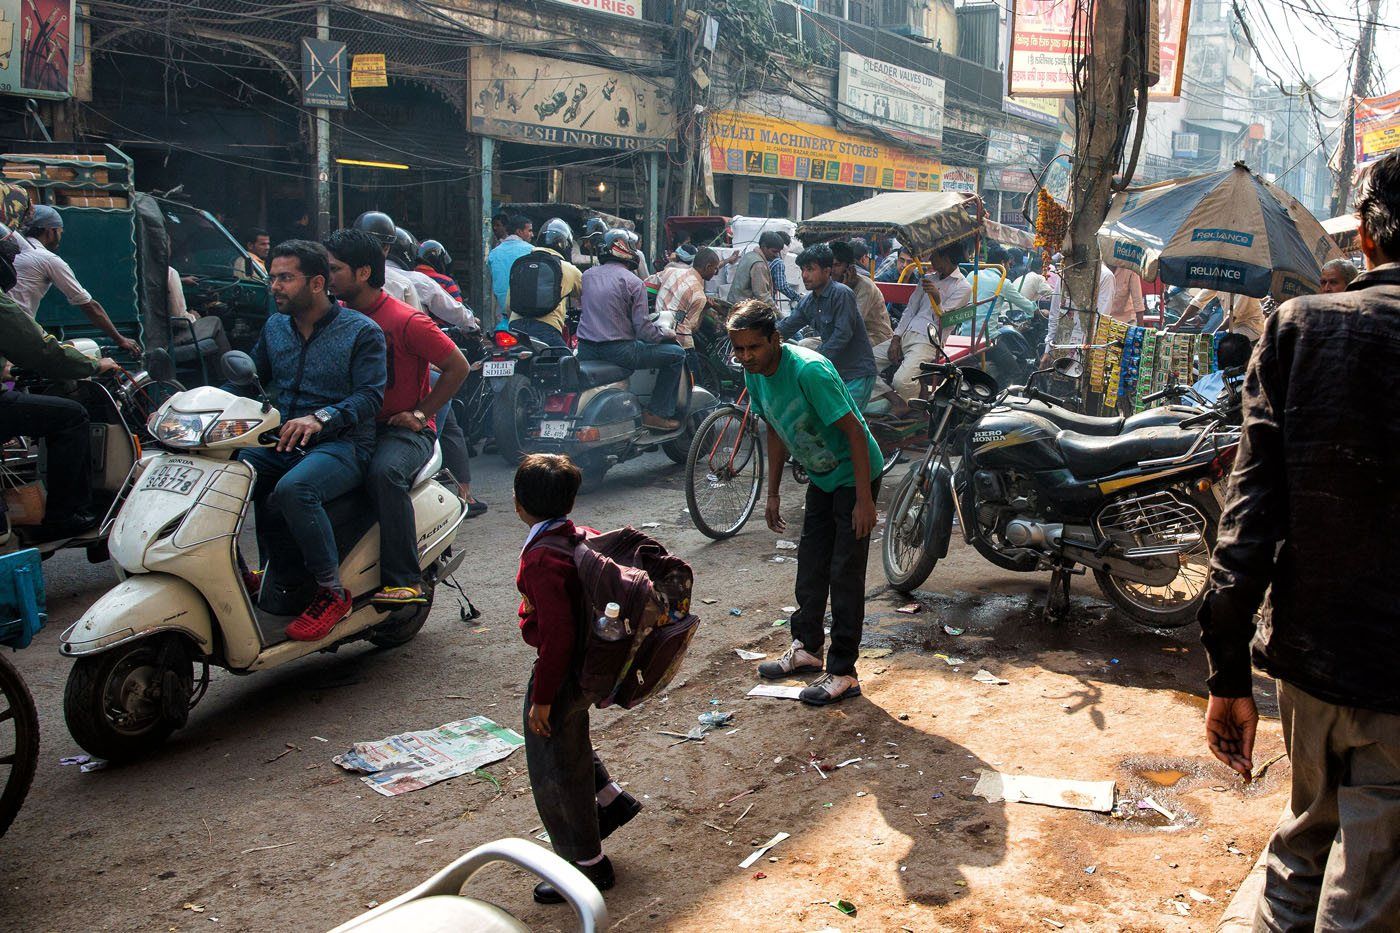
x,y
594,229
404,249
557,235
617,245
434,254
378,225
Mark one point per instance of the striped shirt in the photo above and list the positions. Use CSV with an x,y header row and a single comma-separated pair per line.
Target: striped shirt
x,y
680,300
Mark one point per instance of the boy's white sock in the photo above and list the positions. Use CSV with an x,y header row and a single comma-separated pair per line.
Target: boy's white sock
x,y
608,794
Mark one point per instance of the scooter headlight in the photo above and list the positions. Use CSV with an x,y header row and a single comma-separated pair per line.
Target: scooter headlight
x,y
183,428
229,429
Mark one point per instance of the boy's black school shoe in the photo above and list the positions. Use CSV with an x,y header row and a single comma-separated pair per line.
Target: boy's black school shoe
x,y
600,874
617,813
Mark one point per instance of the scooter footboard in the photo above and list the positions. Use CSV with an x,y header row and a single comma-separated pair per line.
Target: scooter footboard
x,y
141,605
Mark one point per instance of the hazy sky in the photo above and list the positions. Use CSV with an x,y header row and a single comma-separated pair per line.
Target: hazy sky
x,y
1296,45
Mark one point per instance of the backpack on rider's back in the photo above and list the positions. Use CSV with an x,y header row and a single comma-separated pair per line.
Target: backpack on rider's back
x,y
536,284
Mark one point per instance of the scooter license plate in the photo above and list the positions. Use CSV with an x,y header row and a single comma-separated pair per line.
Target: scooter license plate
x,y
496,368
173,478
554,430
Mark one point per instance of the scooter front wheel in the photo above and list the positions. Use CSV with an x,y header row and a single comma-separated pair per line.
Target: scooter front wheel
x,y
123,703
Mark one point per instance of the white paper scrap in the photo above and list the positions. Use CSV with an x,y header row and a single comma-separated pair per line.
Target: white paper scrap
x,y
984,676
776,691
748,655
1051,792
762,850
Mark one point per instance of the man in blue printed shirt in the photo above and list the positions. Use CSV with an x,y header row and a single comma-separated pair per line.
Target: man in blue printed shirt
x,y
778,269
324,367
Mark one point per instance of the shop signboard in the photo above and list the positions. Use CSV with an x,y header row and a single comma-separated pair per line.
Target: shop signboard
x,y
959,179
36,47
1377,127
323,74
1010,179
1186,145
1005,148
631,9
1045,45
909,104
771,147
369,70
1043,110
553,102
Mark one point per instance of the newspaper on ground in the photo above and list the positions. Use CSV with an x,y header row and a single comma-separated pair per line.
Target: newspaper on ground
x,y
776,691
414,760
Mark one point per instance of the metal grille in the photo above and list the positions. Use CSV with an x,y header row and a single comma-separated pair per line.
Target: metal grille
x,y
1153,525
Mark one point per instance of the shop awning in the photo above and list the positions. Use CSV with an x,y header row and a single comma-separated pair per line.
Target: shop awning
x,y
921,221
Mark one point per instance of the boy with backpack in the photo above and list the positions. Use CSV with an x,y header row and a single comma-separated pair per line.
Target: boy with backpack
x,y
578,803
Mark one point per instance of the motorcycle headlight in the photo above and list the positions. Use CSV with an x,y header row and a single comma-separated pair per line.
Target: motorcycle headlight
x,y
182,428
228,429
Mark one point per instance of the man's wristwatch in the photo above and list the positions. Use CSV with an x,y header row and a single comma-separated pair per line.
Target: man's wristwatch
x,y
324,415
422,418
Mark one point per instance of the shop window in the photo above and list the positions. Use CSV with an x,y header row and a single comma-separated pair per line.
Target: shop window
x,y
767,200
818,199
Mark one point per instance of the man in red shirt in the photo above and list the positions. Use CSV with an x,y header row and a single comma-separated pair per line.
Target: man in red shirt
x,y
406,427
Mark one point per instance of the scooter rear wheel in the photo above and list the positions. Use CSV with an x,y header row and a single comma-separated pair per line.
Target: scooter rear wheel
x,y
402,625
19,755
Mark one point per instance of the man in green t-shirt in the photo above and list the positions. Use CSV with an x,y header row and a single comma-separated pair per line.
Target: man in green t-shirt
x,y
811,418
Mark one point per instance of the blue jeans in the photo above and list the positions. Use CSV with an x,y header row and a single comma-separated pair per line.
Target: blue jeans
x,y
299,485
398,457
539,330
667,359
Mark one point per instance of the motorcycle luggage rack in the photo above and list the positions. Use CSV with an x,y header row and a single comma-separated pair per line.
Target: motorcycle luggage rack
x,y
1160,517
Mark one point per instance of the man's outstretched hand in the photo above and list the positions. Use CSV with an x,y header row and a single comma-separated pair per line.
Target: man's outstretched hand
x,y
1230,725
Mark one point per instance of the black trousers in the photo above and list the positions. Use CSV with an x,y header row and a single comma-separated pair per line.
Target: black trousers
x,y
831,562
566,774
63,424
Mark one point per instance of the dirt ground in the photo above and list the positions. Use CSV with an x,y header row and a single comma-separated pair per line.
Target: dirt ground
x,y
221,820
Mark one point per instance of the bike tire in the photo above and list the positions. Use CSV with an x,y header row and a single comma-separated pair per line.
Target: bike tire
x,y
507,417
908,576
712,465
19,711
1185,612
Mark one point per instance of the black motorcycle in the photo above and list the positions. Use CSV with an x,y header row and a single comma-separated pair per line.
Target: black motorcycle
x,y
1139,508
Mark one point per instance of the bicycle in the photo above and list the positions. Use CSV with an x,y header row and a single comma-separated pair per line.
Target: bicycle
x,y
725,469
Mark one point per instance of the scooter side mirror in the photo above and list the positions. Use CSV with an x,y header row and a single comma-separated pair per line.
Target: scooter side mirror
x,y
240,369
1233,352
1069,367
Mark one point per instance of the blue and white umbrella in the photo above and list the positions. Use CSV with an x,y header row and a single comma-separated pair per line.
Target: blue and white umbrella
x,y
1232,231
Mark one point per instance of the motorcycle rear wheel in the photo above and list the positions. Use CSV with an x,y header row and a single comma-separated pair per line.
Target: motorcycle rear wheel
x,y
19,757
509,411
907,558
1177,603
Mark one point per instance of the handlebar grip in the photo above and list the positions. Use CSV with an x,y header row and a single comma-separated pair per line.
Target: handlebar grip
x,y
1197,421
1046,397
268,438
947,369
1156,396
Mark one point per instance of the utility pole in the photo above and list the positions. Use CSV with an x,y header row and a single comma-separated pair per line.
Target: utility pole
x,y
323,139
1103,110
1361,80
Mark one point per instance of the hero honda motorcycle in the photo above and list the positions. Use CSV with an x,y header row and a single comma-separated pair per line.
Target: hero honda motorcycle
x,y
1140,509
588,409
182,600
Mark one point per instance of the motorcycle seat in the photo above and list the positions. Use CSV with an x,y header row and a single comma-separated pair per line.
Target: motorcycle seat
x,y
596,373
1090,457
1071,420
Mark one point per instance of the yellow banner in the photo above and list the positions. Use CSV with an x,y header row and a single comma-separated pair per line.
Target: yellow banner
x,y
771,147
369,70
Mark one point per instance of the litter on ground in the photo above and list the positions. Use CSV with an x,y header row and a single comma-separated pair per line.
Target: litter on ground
x,y
762,850
994,787
776,691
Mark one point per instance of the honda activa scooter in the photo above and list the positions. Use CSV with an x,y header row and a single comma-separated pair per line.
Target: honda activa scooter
x,y
182,599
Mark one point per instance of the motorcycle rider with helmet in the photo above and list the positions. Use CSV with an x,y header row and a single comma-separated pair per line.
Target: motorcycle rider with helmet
x,y
434,261
615,327
557,239
411,287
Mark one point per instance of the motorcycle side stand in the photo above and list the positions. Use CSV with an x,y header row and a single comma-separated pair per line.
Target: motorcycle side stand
x,y
1057,604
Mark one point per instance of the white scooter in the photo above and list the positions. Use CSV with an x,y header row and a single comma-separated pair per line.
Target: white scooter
x,y
182,599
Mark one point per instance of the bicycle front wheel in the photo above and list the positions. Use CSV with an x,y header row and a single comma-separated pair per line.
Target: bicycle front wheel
x,y
724,472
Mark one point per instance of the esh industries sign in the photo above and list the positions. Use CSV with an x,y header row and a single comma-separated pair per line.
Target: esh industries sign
x,y
632,9
752,144
553,102
36,47
907,103
1045,49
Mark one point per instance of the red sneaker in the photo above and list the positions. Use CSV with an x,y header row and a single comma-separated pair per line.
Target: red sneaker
x,y
328,609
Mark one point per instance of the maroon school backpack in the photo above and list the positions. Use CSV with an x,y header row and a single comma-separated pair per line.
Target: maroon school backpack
x,y
652,588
